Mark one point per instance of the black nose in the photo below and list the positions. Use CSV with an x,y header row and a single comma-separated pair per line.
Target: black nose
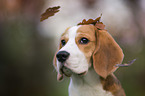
x,y
62,56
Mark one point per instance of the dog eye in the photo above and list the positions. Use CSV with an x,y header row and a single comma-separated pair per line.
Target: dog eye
x,y
63,42
83,40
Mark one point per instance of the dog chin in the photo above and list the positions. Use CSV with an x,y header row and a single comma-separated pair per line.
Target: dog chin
x,y
68,72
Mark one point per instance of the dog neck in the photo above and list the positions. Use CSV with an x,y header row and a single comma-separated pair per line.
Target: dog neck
x,y
87,85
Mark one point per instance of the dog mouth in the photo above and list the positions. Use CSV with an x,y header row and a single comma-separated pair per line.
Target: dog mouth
x,y
68,72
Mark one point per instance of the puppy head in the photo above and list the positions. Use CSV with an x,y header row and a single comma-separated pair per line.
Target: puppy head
x,y
80,46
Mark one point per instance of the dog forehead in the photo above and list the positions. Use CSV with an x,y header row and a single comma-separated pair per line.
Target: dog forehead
x,y
70,31
86,29
83,29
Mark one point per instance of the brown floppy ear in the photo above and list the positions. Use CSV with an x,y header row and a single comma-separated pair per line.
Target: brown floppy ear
x,y
107,54
59,76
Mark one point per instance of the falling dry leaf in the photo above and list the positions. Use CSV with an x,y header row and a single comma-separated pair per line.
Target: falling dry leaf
x,y
49,12
99,25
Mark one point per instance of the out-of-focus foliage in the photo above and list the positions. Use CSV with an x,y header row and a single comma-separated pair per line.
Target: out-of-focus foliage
x,y
27,46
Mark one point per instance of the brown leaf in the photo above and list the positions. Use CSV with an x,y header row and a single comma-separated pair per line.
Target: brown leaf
x,y
99,25
49,12
90,21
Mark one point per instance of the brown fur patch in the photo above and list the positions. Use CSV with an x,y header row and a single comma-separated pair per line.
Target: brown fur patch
x,y
87,31
112,84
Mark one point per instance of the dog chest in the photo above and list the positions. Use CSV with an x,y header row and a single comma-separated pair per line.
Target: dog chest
x,y
88,85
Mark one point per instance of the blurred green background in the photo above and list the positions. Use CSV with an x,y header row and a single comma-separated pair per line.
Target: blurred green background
x,y
27,46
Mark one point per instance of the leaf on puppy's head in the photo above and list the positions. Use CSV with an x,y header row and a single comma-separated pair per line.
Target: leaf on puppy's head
x,y
90,21
99,25
49,12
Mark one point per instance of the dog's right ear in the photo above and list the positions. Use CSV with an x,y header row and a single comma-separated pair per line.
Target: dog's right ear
x,y
107,54
59,75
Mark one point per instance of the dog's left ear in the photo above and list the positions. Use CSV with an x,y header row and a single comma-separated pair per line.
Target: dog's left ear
x,y
107,54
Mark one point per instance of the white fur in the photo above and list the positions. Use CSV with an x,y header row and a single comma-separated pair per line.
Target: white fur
x,y
87,85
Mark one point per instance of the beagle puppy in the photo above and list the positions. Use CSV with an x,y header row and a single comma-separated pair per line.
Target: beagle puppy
x,y
88,56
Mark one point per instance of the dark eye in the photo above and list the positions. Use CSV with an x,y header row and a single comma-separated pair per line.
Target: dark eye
x,y
63,42
83,40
